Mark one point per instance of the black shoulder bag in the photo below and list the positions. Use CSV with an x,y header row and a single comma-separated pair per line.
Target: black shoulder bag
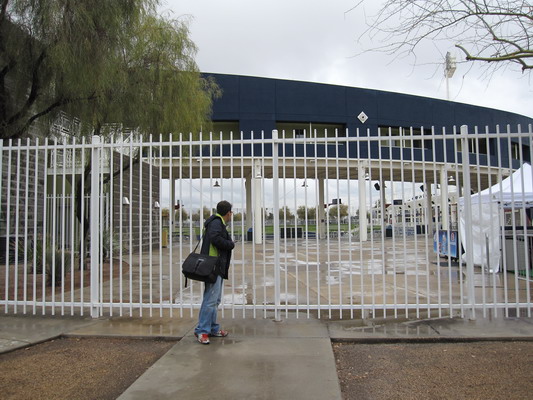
x,y
200,267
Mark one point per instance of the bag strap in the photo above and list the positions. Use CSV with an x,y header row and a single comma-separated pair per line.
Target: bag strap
x,y
199,240
194,251
202,238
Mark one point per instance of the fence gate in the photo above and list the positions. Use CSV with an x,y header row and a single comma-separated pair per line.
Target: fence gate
x,y
412,223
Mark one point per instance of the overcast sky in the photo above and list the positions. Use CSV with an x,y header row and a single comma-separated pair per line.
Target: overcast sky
x,y
317,41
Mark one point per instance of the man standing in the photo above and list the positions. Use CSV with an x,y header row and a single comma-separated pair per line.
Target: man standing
x,y
217,242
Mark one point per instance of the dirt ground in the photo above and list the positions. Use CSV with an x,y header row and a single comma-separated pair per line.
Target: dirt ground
x,y
102,368
69,368
480,370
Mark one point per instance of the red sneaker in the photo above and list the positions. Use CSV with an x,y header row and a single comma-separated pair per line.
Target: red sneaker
x,y
220,333
203,338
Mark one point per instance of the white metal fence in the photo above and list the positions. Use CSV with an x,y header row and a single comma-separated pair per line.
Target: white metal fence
x,y
378,224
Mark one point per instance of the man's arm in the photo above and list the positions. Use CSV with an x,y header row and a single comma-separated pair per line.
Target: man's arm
x,y
216,236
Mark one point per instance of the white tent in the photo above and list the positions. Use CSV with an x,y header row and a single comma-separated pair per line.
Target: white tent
x,y
515,191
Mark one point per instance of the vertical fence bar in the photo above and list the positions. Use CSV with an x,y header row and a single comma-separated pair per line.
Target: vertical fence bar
x,y
422,209
260,219
72,223
468,222
446,217
307,282
244,223
35,208
95,226
493,224
26,244
426,204
319,211
130,221
111,227
382,227
179,205
17,225
286,227
361,206
328,227
252,215
392,222
101,226
141,235
528,246
436,217
513,219
120,227
413,211
63,224
191,229
159,211
523,219
8,221
171,223
232,201
53,244
275,194
350,242
476,149
151,221
83,249
371,233
338,216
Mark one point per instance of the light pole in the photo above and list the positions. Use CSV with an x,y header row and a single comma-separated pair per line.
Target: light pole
x,y
449,70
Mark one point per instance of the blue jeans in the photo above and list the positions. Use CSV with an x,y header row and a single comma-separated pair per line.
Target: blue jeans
x,y
207,319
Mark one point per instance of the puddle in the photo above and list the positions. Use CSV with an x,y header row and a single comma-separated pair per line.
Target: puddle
x,y
237,299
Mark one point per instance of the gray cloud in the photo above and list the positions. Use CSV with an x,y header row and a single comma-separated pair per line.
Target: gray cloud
x,y
314,40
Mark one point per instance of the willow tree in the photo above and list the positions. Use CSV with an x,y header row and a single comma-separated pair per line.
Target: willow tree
x,y
102,61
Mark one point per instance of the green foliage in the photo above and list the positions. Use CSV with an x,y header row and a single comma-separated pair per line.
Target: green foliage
x,y
101,61
56,261
338,211
181,215
303,210
205,212
285,213
111,244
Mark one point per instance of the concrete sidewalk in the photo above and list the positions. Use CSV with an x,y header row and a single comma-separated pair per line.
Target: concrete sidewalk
x,y
261,359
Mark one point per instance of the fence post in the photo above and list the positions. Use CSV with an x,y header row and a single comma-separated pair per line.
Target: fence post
x,y
95,226
275,194
363,225
469,248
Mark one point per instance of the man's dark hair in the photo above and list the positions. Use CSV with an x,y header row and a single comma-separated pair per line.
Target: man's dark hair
x,y
223,207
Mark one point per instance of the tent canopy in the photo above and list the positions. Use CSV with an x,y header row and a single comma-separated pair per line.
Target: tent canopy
x,y
514,191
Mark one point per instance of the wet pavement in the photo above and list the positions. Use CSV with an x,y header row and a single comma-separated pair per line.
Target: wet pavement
x,y
394,275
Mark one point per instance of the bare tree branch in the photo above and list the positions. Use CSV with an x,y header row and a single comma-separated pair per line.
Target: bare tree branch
x,y
496,32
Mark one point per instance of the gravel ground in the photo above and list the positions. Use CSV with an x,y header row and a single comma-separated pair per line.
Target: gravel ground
x,y
102,368
71,368
480,370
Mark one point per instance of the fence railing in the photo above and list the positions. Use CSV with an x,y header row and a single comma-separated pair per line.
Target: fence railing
x,y
338,227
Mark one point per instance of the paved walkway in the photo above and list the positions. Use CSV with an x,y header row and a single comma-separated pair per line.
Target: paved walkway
x,y
261,359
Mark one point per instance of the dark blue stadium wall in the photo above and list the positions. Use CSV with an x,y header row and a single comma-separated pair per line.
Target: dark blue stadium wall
x,y
258,103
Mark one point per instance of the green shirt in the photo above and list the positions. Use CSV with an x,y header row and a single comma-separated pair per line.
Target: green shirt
x,y
213,251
